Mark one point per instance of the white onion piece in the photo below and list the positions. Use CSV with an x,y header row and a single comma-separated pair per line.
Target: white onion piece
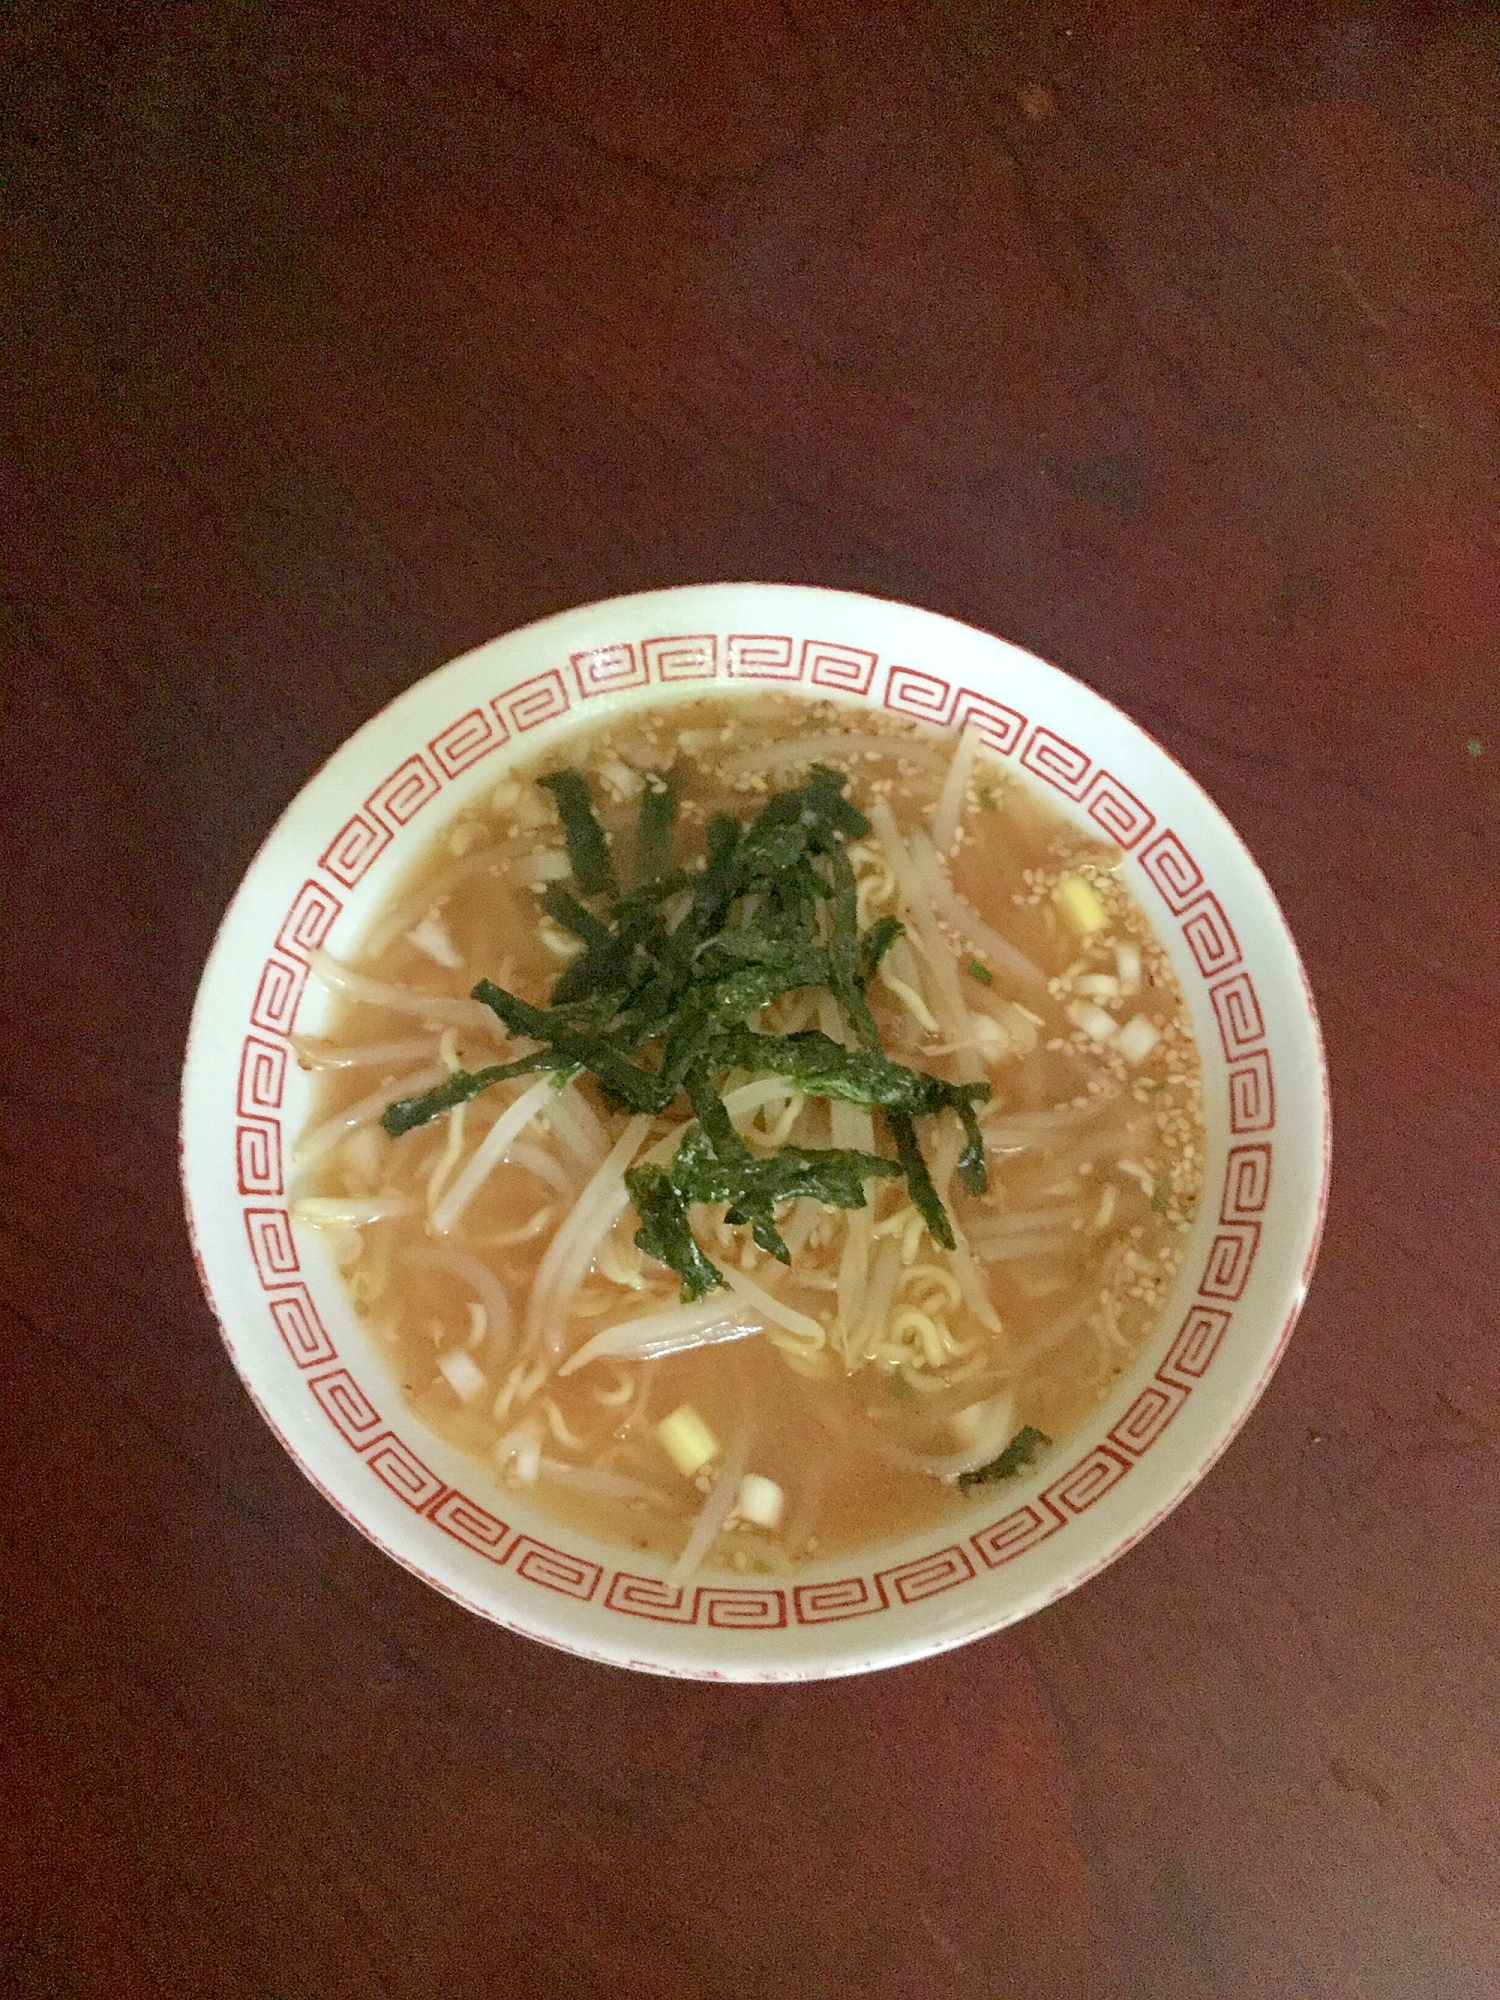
x,y
550,866
1095,1023
1100,986
431,939
652,1336
760,1500
977,1422
1137,1038
463,1375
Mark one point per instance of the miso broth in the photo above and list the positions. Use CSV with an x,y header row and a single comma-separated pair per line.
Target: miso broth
x,y
984,967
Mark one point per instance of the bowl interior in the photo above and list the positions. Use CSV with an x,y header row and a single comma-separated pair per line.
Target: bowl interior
x,y
325,871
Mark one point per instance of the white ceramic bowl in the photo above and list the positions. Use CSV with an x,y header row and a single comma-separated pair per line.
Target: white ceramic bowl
x,y
293,1335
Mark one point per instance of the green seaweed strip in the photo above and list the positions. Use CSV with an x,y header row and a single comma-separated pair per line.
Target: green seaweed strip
x,y
407,1113
588,850
876,942
919,1182
664,1233
658,815
1019,1453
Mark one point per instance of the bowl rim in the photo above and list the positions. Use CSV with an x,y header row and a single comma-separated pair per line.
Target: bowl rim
x,y
895,1645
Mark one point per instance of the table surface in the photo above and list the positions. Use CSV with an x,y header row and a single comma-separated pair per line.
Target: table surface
x,y
1162,339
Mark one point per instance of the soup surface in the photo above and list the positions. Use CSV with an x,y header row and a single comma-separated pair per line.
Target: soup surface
x,y
846,1131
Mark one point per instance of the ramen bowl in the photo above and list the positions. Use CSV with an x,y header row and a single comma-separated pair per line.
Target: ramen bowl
x,y
287,1319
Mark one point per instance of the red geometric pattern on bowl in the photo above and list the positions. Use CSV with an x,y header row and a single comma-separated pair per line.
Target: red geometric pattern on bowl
x,y
530,703
910,1582
309,920
464,742
1247,1183
849,1597
394,803
354,848
1084,1483
397,1466
925,697
1210,938
740,1607
554,1569
1230,1256
1000,728
1014,1534
929,698
845,669
689,656
1237,1009
262,1077
761,656
908,691
1148,1416
347,1407
475,1526
1116,810
270,1233
1173,871
257,1156
295,1318
412,785
274,1007
1196,1345
607,669
1252,1097
650,1597
1057,762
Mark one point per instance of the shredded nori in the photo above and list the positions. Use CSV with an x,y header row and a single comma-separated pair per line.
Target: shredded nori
x,y
588,849
1018,1454
409,1112
651,1007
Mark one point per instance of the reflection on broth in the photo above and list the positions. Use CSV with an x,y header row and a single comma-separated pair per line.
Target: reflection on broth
x,y
821,1143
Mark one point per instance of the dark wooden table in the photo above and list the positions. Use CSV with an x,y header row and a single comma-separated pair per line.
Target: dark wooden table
x,y
335,338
